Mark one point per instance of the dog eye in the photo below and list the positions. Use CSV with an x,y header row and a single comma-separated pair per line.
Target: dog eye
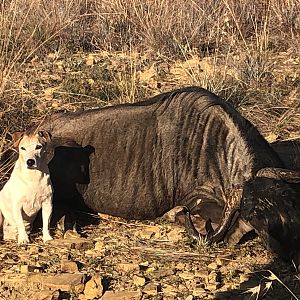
x,y
38,147
22,148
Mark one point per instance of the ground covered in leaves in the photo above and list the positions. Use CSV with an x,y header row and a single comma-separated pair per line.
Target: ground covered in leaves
x,y
119,259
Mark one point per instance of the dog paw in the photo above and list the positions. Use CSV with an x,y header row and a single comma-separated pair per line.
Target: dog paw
x,y
47,238
23,240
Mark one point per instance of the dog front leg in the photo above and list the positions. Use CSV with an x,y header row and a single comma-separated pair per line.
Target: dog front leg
x,y
46,215
22,234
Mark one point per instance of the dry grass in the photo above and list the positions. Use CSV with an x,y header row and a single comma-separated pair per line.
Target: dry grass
x,y
266,284
71,54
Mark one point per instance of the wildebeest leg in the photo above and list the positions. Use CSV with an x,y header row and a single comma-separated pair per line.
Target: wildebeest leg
x,y
189,226
191,229
230,217
238,232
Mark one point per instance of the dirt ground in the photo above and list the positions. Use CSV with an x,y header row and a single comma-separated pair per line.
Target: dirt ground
x,y
142,260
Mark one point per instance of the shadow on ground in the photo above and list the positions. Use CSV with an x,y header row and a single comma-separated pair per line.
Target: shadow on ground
x,y
277,280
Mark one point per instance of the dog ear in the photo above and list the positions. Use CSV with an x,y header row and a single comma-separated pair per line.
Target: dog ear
x,y
16,138
45,135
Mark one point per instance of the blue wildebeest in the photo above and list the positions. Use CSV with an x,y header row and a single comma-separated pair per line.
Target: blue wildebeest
x,y
183,148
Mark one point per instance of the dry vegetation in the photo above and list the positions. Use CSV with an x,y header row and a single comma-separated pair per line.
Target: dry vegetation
x,y
69,54
66,55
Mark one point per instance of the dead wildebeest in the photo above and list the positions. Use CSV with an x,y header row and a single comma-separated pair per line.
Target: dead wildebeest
x,y
183,148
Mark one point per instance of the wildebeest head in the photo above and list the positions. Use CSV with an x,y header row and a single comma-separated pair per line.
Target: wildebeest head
x,y
271,204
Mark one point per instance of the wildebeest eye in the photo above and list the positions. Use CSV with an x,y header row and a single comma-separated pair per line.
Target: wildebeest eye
x,y
38,147
22,148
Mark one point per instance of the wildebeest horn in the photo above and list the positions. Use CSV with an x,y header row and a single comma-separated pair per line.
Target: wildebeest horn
x,y
279,173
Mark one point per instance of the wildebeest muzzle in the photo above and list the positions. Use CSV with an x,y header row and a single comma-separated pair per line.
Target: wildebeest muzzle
x,y
271,204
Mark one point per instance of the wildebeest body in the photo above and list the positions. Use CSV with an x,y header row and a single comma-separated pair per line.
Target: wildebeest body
x,y
182,148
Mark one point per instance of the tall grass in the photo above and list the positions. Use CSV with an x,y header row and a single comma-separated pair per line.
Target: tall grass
x,y
234,41
161,26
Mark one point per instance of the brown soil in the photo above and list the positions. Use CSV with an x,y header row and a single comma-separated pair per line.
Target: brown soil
x,y
156,258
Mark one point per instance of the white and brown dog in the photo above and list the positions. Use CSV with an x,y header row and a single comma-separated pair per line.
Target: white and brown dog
x,y
28,189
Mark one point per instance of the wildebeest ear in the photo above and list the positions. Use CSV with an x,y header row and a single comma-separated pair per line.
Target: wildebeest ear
x,y
16,138
45,135
89,150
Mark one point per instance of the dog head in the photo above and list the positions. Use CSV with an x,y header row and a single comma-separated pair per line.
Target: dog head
x,y
32,148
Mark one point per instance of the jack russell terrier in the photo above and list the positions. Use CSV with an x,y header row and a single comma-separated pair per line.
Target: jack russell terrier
x,y
28,189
